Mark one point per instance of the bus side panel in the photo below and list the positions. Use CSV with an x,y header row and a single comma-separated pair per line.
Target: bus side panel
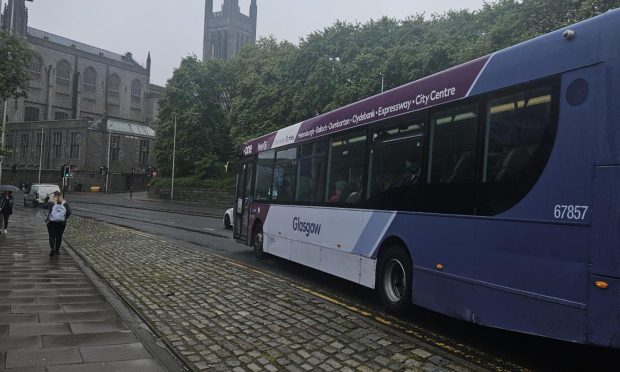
x,y
306,254
336,241
606,222
547,259
604,313
496,307
277,246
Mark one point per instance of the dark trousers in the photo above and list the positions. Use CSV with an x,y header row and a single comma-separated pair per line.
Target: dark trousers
x,y
6,220
55,231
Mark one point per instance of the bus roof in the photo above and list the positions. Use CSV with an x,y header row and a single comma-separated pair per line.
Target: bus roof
x,y
533,59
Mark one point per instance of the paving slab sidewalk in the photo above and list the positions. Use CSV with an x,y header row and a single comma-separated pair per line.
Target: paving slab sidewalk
x,y
52,315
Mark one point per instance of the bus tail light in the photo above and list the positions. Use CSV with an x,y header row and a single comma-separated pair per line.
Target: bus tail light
x,y
601,284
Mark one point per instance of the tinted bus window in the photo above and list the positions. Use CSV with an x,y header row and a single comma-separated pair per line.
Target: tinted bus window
x,y
454,145
311,180
284,174
264,173
516,127
315,148
346,167
396,157
518,139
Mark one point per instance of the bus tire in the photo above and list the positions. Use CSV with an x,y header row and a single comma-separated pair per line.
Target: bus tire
x,y
257,241
395,279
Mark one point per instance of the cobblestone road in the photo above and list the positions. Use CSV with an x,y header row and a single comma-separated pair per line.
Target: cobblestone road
x,y
217,314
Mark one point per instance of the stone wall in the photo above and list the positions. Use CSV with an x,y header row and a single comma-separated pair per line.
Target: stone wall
x,y
215,198
81,181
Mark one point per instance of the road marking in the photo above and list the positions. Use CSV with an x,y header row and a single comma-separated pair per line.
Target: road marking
x,y
252,269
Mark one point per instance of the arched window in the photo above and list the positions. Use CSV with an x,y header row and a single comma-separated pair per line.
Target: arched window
x,y
114,85
35,67
90,79
63,73
136,91
31,113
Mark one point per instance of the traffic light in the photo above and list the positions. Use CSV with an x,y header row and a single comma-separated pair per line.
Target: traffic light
x,y
101,170
65,171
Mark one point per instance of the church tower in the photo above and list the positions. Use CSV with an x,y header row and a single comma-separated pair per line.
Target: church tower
x,y
228,30
15,9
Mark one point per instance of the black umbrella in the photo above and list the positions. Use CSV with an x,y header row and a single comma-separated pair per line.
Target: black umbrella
x,y
8,188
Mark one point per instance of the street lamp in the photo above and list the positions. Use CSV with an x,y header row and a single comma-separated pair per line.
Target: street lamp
x,y
40,154
107,173
382,80
174,150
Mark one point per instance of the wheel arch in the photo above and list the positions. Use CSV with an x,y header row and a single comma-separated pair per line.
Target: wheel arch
x,y
257,222
391,241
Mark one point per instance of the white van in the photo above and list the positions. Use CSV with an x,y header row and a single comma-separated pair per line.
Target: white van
x,y
38,193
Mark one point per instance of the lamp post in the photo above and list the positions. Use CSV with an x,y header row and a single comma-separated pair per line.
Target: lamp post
x,y
40,154
174,150
382,80
6,106
107,170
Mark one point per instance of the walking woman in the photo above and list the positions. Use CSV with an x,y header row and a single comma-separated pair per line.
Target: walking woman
x,y
58,213
6,210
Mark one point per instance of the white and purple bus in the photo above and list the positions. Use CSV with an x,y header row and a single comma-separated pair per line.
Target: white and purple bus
x,y
489,192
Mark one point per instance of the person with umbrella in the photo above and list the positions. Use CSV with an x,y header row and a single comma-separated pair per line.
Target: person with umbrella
x,y
6,209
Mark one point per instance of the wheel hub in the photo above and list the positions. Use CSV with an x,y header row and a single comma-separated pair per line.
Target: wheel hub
x,y
394,280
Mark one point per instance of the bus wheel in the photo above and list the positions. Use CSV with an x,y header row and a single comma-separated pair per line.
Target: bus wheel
x,y
257,242
394,280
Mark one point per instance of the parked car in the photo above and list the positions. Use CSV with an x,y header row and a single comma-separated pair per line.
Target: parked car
x,y
228,219
38,193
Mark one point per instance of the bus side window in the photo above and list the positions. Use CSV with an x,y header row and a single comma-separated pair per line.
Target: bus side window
x,y
346,167
518,140
264,174
311,178
453,146
517,126
396,159
284,174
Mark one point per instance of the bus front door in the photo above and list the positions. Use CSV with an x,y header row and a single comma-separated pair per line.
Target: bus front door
x,y
242,203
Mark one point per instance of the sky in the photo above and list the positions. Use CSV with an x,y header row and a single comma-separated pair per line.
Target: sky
x,y
173,29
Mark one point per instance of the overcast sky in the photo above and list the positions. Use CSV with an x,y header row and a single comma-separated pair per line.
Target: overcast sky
x,y
173,29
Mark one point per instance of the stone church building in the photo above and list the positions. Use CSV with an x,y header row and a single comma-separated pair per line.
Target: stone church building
x,y
86,108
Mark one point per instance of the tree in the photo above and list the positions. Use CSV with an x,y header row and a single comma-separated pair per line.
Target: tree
x,y
263,88
273,84
15,56
197,95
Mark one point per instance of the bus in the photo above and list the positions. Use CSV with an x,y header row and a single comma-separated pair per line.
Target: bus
x,y
489,192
